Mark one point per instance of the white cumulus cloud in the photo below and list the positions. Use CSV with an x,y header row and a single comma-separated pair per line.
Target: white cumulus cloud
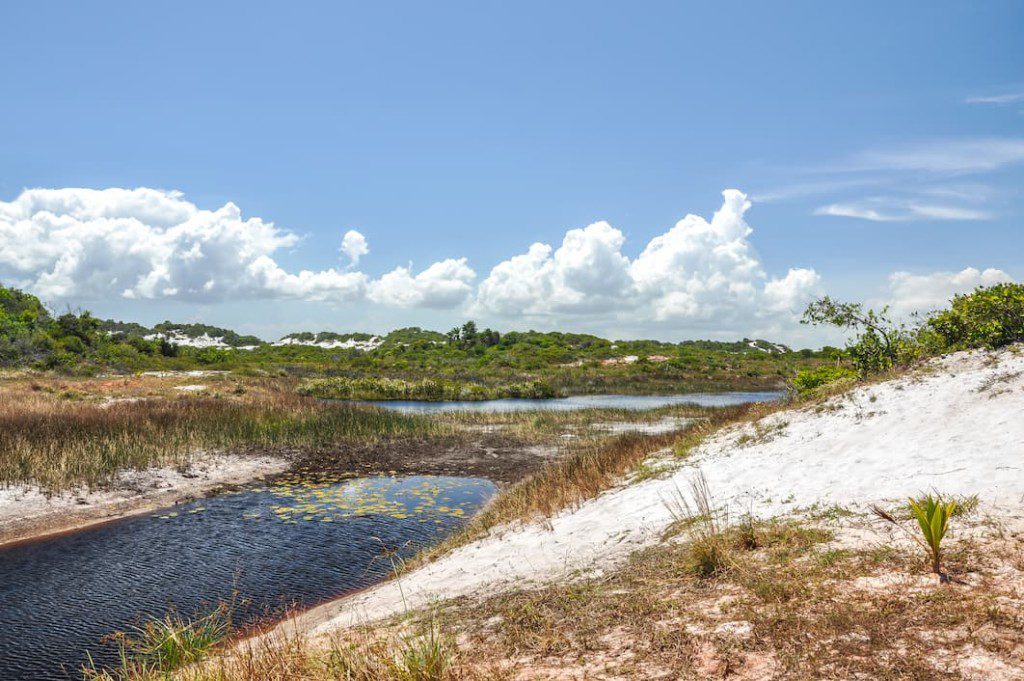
x,y
586,272
696,271
911,293
87,244
444,284
354,245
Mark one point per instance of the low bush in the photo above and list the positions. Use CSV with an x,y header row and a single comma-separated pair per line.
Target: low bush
x,y
989,317
809,380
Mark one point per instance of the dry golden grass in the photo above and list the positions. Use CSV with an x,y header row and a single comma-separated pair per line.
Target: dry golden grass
x,y
792,604
421,652
794,607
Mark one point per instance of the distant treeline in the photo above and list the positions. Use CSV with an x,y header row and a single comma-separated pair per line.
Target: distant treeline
x,y
76,342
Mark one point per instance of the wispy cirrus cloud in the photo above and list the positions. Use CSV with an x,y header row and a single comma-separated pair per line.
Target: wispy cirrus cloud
x,y
939,179
881,209
1004,98
965,155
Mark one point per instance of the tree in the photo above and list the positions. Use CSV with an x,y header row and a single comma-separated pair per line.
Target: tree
x,y
880,343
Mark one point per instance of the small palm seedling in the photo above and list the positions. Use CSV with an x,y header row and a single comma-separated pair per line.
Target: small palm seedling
x,y
932,515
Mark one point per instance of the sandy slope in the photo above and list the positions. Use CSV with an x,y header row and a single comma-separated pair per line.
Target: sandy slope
x,y
956,425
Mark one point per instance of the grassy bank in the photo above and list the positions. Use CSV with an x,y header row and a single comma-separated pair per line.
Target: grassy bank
x,y
61,439
431,390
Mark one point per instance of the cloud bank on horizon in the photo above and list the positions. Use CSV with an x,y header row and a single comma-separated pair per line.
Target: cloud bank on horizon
x,y
79,245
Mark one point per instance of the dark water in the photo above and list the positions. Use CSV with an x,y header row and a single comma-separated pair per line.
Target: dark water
x,y
634,402
292,543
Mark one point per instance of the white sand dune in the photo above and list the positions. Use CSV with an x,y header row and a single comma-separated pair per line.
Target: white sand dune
x,y
956,426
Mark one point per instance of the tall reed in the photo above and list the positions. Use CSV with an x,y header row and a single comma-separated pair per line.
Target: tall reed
x,y
59,444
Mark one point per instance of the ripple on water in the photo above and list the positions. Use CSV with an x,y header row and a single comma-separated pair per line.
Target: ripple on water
x,y
290,544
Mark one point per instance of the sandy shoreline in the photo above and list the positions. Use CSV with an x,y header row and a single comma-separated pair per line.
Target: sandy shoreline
x,y
28,513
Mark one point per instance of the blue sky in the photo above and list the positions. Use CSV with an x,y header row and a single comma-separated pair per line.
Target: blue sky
x,y
870,139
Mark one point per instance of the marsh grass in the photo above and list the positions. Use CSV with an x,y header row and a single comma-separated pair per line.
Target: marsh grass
x,y
547,425
164,645
60,443
63,433
422,652
429,389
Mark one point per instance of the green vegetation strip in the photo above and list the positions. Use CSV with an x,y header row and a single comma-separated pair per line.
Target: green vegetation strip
x,y
432,390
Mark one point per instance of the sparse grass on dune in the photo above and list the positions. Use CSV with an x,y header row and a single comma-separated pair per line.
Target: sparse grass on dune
x,y
59,441
586,470
789,606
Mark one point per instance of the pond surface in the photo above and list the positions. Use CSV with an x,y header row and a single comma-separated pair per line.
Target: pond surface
x,y
291,543
634,402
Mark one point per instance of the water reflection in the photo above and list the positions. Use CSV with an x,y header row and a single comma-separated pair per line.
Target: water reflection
x,y
576,402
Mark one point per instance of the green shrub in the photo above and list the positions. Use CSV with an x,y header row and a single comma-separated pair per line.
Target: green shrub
x,y
880,345
989,317
213,355
808,380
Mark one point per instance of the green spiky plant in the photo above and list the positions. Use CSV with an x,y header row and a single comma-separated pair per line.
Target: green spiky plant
x,y
932,515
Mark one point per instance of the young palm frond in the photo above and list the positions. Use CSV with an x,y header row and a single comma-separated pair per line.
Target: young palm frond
x,y
932,515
